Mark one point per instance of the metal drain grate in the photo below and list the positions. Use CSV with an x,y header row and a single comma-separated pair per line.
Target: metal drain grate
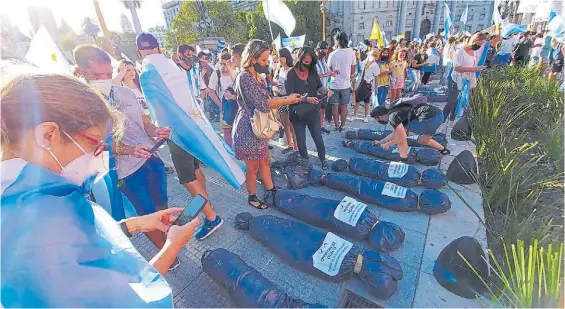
x,y
352,300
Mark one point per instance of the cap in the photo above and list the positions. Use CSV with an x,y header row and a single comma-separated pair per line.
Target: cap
x,y
146,41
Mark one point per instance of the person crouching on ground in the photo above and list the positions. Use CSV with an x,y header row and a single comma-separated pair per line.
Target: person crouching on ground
x,y
408,120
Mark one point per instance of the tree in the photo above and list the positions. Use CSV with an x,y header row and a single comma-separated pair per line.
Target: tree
x,y
90,28
125,43
132,6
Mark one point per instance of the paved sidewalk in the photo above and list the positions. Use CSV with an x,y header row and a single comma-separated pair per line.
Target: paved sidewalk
x,y
426,236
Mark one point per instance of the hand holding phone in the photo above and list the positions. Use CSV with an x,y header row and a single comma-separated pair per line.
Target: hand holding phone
x,y
191,211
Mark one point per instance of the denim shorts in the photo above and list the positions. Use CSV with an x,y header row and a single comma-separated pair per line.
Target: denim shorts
x,y
340,96
427,127
146,188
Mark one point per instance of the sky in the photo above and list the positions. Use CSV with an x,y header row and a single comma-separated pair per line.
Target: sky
x,y
74,12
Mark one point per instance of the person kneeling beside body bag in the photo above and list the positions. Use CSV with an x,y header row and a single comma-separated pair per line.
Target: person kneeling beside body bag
x,y
324,255
346,217
246,287
386,194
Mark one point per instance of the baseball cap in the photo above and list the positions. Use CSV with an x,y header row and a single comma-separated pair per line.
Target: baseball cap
x,y
322,45
146,41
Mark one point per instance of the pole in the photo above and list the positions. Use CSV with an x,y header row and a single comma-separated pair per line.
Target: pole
x,y
269,21
323,8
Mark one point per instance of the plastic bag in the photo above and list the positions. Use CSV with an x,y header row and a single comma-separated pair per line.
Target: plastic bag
x,y
455,275
339,165
462,130
375,135
347,217
280,180
388,195
324,255
296,170
398,173
422,155
246,287
463,169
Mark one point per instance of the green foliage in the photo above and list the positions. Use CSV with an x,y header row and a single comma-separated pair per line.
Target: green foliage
x,y
525,276
125,43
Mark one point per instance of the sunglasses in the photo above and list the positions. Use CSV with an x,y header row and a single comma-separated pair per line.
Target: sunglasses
x,y
101,145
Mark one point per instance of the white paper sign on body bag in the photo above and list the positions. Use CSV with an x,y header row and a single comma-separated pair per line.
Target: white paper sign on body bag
x,y
330,255
349,210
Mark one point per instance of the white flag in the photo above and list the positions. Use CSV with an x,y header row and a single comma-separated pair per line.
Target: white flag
x,y
465,14
44,53
277,12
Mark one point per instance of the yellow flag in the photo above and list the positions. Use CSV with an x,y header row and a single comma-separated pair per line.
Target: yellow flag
x,y
376,34
400,36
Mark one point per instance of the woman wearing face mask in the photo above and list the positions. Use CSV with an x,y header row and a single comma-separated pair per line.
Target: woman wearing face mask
x,y
281,74
419,60
252,94
304,79
464,67
59,249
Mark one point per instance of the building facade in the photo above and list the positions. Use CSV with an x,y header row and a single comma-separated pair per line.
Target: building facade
x,y
412,18
170,10
159,33
125,23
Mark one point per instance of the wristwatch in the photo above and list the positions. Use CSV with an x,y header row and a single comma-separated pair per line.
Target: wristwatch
x,y
124,228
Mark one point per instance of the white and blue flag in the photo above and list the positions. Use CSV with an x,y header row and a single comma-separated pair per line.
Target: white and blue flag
x,y
61,250
171,104
465,15
447,21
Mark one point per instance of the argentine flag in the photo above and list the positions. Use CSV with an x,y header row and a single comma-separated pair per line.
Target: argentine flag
x,y
61,250
167,92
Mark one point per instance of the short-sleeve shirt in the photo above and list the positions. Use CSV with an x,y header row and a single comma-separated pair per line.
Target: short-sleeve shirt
x,y
383,79
405,113
124,100
420,59
225,82
398,68
341,60
463,59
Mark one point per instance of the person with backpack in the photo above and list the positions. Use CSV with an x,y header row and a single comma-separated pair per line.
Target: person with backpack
x,y
221,91
521,53
409,118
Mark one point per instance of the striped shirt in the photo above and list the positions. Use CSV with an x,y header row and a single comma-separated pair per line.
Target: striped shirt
x,y
322,68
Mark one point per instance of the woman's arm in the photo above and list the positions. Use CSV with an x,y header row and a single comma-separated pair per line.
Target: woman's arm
x,y
385,140
165,257
399,135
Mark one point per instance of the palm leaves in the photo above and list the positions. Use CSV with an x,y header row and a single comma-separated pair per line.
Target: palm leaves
x,y
132,6
90,28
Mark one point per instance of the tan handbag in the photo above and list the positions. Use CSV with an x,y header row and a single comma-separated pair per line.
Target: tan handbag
x,y
264,125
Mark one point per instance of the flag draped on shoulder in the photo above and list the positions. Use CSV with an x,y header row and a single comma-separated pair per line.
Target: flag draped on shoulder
x,y
65,251
276,11
171,104
377,34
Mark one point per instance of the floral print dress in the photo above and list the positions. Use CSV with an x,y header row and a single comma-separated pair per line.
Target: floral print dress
x,y
251,95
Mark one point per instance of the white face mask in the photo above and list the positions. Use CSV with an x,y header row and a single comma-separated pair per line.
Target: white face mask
x,y
102,85
84,166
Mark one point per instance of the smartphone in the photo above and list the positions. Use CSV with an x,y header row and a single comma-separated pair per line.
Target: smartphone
x,y
157,145
191,211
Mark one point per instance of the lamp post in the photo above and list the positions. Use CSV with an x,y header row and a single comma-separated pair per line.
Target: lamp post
x,y
323,9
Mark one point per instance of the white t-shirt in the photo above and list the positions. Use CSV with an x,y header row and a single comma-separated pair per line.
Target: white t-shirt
x,y
281,78
446,55
225,82
432,57
536,51
507,46
341,60
371,72
139,96
462,59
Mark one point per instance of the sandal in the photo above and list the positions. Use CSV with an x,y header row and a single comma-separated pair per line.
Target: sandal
x,y
445,151
254,199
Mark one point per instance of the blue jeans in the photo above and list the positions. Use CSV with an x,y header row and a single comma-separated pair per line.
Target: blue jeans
x,y
146,188
340,96
382,94
427,127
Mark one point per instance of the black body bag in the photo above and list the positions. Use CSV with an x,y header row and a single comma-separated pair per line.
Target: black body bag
x,y
324,255
376,135
246,287
388,194
398,173
346,217
423,155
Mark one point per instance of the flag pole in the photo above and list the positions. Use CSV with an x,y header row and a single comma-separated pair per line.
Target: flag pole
x,y
270,28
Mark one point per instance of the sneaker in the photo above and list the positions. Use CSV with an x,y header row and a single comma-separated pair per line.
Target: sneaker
x,y
208,228
351,118
282,141
366,120
169,170
325,165
175,265
324,130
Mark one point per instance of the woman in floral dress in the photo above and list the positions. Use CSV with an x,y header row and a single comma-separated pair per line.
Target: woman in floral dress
x,y
252,94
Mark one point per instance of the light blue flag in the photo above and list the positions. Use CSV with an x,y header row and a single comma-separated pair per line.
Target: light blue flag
x,y
463,99
508,29
465,15
483,57
447,21
556,27
171,104
61,250
293,42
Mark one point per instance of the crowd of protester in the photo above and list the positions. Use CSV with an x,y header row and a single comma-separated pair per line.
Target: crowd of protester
x,y
310,88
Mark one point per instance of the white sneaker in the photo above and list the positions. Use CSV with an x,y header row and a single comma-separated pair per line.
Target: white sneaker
x,y
282,141
366,120
351,118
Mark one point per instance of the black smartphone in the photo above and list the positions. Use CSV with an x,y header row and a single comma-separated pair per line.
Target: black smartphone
x,y
191,211
157,145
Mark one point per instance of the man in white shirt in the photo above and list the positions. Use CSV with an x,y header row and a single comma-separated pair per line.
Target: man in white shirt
x,y
535,52
342,63
504,55
220,81
189,63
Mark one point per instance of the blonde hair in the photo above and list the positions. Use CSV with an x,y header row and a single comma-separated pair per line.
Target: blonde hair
x,y
31,97
253,50
397,52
